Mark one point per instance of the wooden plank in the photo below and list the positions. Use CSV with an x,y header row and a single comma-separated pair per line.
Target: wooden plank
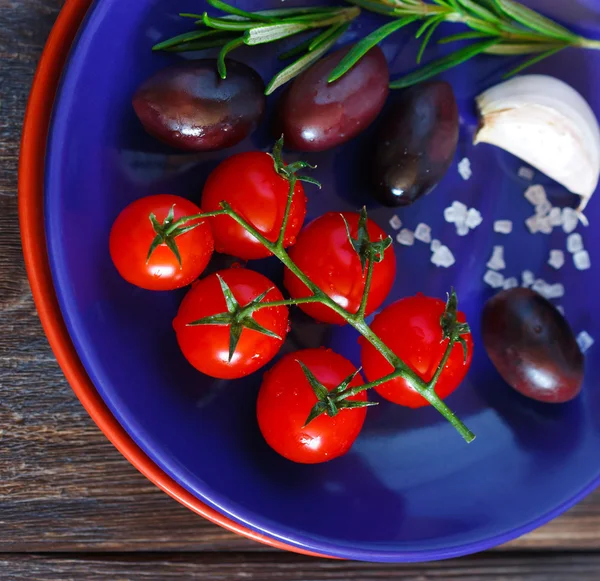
x,y
283,567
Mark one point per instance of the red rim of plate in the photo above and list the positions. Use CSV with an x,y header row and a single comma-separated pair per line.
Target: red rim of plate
x,y
33,236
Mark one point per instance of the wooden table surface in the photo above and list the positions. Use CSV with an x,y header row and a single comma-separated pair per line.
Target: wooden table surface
x,y
72,508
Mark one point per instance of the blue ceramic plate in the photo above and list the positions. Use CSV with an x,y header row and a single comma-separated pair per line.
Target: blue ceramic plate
x,y
410,489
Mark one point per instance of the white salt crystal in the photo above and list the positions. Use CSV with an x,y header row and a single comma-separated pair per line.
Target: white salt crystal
x,y
556,291
450,214
555,217
511,282
544,225
561,310
443,257
457,212
423,233
526,173
581,260
493,279
395,222
536,195
543,208
574,243
527,278
406,237
474,218
503,226
462,229
464,168
557,259
569,220
460,208
496,262
532,224
542,287
435,244
585,341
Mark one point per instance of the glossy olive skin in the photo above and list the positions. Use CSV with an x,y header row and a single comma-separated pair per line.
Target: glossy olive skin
x,y
415,144
314,115
189,106
532,346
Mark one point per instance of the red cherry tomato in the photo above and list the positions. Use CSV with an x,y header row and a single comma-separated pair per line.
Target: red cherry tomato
x,y
249,182
206,347
286,399
411,328
324,253
132,234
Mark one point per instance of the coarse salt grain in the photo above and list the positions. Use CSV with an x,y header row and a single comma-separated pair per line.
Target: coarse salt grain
x,y
532,224
462,229
569,220
526,173
543,208
503,226
556,291
457,212
544,225
585,341
542,287
474,218
435,244
406,237
581,260
536,195
555,217
496,262
493,279
511,282
423,233
527,278
443,257
557,259
574,243
395,222
464,168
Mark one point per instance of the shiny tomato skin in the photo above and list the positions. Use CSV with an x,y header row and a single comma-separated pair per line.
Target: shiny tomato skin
x,y
286,398
411,328
249,182
206,347
324,253
132,234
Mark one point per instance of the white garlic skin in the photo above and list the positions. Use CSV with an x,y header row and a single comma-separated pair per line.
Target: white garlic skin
x,y
549,125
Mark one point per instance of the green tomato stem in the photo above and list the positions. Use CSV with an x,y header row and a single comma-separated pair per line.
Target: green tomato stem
x,y
284,303
356,320
292,185
186,219
438,371
368,280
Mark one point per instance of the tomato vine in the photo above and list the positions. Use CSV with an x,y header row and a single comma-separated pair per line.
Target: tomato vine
x,y
370,252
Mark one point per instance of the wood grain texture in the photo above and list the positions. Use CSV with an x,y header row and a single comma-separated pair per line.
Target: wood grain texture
x,y
63,487
285,567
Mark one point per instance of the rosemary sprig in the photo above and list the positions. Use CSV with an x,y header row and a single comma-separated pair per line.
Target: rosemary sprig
x,y
500,27
238,27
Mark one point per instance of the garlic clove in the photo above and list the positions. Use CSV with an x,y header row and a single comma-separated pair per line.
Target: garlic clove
x,y
547,124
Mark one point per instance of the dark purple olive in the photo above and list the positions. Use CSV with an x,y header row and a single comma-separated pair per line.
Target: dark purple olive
x,y
532,346
415,144
315,115
189,106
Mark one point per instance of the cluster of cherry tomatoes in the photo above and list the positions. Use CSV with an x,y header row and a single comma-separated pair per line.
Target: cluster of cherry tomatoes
x,y
154,246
